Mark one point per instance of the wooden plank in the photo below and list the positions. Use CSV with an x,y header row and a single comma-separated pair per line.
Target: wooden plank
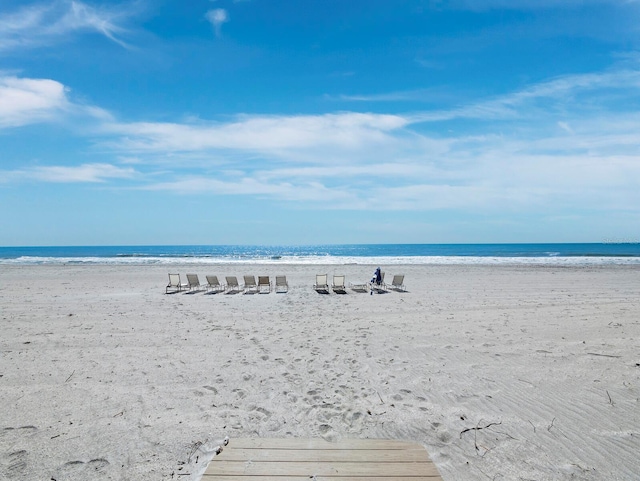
x,y
319,443
324,455
297,459
215,477
310,469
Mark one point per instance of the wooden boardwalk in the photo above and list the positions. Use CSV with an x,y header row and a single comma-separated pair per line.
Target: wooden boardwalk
x,y
316,459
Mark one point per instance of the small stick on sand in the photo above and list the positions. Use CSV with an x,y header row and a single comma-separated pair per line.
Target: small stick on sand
x,y
609,395
478,428
475,436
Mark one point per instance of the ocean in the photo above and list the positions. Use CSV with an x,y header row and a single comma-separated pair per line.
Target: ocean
x,y
368,254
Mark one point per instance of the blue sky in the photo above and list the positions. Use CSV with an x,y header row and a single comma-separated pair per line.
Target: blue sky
x,y
303,122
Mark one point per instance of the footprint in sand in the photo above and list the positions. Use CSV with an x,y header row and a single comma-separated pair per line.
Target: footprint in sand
x,y
327,433
81,470
263,411
13,460
442,434
240,393
14,464
353,420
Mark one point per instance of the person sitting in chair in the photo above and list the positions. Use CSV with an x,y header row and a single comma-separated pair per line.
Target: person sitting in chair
x,y
377,277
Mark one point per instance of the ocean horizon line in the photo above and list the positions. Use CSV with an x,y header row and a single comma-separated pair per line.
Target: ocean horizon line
x,y
494,253
622,241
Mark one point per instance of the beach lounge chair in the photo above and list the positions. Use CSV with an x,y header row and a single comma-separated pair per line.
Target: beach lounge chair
x,y
359,287
232,284
213,284
321,284
281,284
250,285
397,284
338,285
193,282
175,285
378,285
264,284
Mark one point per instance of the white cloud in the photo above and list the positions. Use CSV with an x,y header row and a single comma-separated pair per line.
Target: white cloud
x,y
91,173
42,24
549,146
217,17
262,133
309,191
423,95
560,91
565,126
570,84
83,17
82,173
25,101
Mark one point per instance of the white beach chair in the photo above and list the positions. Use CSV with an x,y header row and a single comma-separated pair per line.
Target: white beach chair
x,y
264,284
382,287
397,284
175,285
281,284
232,284
338,285
250,285
193,282
359,287
213,284
321,284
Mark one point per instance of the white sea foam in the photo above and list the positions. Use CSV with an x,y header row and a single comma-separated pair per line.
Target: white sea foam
x,y
330,260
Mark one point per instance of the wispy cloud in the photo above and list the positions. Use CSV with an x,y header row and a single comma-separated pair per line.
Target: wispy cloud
x,y
540,147
217,17
302,192
548,96
422,95
562,90
558,143
42,24
92,173
261,133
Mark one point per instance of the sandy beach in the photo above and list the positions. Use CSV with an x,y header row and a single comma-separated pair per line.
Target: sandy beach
x,y
501,372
